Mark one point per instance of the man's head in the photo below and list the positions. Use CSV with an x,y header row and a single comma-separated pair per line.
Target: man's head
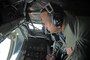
x,y
53,21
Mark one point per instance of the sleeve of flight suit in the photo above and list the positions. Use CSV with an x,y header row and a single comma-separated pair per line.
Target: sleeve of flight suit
x,y
78,37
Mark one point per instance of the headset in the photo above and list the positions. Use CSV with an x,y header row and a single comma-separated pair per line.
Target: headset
x,y
55,12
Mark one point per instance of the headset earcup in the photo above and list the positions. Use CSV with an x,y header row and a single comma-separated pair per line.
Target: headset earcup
x,y
57,20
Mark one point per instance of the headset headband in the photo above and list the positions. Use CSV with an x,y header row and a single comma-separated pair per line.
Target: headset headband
x,y
48,8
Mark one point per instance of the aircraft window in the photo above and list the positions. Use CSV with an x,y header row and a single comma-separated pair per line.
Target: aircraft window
x,y
18,42
24,31
37,26
4,48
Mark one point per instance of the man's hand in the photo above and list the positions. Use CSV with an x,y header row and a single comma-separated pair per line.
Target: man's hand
x,y
69,51
50,57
